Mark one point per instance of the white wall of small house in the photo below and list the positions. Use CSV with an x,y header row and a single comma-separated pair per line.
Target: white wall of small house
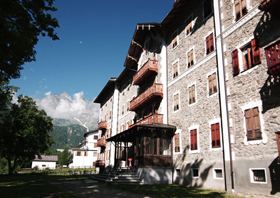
x,y
43,165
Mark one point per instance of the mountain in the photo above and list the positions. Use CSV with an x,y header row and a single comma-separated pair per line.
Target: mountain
x,y
67,111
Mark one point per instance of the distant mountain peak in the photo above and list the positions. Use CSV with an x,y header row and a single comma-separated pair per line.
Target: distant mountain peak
x,y
66,110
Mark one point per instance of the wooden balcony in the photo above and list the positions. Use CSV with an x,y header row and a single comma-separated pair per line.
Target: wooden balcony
x,y
273,59
269,5
101,142
150,67
152,93
100,163
102,125
152,119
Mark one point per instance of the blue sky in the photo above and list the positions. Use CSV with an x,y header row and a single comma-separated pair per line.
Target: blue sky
x,y
94,41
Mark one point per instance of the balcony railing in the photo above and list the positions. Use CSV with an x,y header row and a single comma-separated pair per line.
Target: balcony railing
x,y
101,142
152,119
269,5
145,71
156,90
102,125
273,58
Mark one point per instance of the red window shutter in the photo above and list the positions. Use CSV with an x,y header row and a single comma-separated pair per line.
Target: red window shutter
x,y
213,138
215,135
278,144
235,63
211,43
207,45
255,51
194,139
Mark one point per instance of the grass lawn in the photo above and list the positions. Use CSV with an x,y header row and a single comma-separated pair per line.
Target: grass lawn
x,y
173,191
34,185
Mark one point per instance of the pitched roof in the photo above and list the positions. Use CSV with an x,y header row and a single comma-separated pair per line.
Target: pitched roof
x,y
51,158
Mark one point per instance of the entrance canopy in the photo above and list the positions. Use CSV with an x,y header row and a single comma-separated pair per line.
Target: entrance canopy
x,y
130,134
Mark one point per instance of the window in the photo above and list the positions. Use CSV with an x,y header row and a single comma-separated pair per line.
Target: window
x,y
212,83
178,172
95,145
253,126
175,69
151,145
209,44
207,8
215,135
195,173
190,58
94,153
78,153
86,154
95,137
272,53
110,115
192,94
218,173
193,134
164,146
189,26
240,8
176,102
249,57
108,155
278,144
258,175
177,142
174,40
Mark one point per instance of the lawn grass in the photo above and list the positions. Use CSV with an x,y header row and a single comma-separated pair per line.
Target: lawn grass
x,y
35,185
173,190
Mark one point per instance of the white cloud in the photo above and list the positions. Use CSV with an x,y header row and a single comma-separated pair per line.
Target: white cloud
x,y
48,93
24,78
81,42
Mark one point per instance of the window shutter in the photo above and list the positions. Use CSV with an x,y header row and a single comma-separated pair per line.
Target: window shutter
x,y
255,51
249,124
207,45
211,42
278,144
218,134
235,63
257,125
213,129
210,82
193,139
243,7
237,9
214,82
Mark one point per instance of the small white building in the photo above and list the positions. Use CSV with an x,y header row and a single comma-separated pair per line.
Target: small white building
x,y
85,155
44,162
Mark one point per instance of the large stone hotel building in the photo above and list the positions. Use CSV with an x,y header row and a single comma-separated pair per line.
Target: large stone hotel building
x,y
198,101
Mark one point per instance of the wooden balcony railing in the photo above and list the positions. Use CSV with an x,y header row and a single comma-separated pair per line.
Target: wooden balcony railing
x,y
156,90
100,163
273,58
152,119
145,71
269,5
102,125
101,142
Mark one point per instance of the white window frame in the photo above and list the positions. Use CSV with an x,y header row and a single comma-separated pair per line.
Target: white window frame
x,y
215,174
173,63
214,121
194,61
178,92
178,131
252,175
193,174
248,6
251,105
191,16
197,134
208,74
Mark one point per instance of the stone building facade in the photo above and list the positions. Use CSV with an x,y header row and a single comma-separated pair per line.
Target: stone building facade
x,y
218,64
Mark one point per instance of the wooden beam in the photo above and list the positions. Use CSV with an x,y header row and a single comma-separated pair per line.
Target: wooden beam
x,y
134,42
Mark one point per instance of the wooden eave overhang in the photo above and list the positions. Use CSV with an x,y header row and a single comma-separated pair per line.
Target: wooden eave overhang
x,y
177,8
129,135
137,43
110,85
125,73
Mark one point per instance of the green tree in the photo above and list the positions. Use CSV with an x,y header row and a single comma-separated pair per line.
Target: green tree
x,y
65,158
21,23
24,132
